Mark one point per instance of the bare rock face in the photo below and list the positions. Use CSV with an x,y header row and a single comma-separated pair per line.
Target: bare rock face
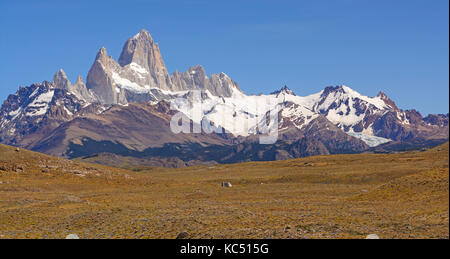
x,y
142,54
140,75
81,91
222,85
196,79
100,79
61,81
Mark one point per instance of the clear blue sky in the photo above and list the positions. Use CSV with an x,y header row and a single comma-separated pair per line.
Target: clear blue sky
x,y
398,46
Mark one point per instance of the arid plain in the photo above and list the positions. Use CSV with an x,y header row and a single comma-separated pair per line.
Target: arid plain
x,y
402,195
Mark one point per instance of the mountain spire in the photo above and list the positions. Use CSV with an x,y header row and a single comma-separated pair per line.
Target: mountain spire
x,y
60,80
79,79
141,67
102,55
141,50
143,34
144,52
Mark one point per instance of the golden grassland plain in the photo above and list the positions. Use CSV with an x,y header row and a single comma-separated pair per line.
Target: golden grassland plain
x,y
403,195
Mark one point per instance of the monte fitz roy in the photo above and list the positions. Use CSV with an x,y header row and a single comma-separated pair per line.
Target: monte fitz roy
x,y
124,108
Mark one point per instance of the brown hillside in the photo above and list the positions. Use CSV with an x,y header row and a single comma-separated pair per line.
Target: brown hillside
x,y
404,195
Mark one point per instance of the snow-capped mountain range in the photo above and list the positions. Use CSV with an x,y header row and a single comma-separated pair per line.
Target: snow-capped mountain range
x,y
54,116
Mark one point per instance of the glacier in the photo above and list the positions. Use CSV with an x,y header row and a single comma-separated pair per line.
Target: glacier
x,y
371,141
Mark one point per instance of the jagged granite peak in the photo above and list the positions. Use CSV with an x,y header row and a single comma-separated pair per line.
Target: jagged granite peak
x,y
223,85
195,78
60,80
143,53
139,70
197,71
137,48
140,75
81,91
102,55
100,79
79,80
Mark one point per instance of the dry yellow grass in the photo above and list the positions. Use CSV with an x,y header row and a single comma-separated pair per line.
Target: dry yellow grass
x,y
403,195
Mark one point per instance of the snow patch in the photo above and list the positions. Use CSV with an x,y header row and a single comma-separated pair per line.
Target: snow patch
x,y
15,113
128,85
34,92
45,97
297,114
39,106
137,68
